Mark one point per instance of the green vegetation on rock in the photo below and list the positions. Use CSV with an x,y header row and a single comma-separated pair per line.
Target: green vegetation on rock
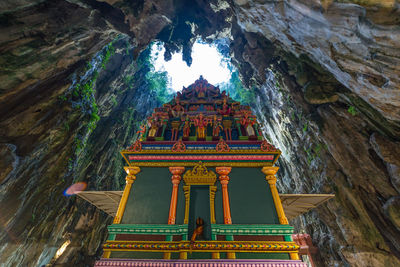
x,y
157,81
82,97
237,91
352,110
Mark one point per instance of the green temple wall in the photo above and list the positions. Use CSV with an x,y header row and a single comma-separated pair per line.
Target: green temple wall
x,y
138,255
150,197
250,198
250,201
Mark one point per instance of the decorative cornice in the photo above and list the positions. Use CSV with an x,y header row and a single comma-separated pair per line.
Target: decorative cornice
x,y
265,146
251,229
202,157
222,229
230,142
200,263
148,229
202,246
136,147
222,146
178,147
201,151
208,164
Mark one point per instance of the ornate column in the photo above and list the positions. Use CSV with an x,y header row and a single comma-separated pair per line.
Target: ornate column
x,y
224,180
212,190
186,190
176,179
130,178
271,179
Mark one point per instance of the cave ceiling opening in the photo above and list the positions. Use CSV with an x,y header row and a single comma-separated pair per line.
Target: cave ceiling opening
x,y
76,81
207,61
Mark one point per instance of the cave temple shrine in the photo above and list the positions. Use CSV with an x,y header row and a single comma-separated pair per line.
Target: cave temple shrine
x,y
201,190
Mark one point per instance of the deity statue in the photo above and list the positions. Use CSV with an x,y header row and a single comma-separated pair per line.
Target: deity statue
x,y
201,91
198,231
247,124
186,128
201,123
178,110
226,110
217,127
154,124
141,132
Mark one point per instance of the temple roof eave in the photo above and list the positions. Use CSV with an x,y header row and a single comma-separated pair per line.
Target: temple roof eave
x,y
293,204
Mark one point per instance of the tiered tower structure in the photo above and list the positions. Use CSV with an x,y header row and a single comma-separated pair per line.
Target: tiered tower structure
x,y
200,189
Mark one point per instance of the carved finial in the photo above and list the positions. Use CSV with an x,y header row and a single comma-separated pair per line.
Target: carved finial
x,y
199,175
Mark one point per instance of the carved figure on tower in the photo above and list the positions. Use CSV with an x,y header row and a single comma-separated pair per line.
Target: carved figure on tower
x,y
186,128
226,110
201,123
217,127
154,123
201,88
247,123
178,110
141,132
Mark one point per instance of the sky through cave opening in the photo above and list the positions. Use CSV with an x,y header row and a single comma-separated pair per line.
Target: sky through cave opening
x,y
208,60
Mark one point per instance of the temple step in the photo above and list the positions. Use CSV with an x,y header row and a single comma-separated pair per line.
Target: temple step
x,y
202,263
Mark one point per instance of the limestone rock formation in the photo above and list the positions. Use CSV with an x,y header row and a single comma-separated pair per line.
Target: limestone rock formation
x,y
73,89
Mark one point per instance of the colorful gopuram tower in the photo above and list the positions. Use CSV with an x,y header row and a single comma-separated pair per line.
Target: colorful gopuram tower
x,y
200,189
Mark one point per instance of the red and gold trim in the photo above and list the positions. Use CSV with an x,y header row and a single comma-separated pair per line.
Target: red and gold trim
x,y
202,246
202,157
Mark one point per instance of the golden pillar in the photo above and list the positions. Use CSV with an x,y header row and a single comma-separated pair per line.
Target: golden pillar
x,y
212,190
271,179
186,190
224,180
130,178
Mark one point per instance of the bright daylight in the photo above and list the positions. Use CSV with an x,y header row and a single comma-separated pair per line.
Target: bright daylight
x,y
192,133
207,61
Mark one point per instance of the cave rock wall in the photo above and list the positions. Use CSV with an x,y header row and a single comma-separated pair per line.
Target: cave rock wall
x,y
327,90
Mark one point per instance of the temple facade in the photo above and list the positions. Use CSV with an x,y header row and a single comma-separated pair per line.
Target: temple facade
x,y
201,189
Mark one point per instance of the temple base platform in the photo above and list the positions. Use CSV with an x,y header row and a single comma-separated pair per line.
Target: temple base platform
x,y
202,263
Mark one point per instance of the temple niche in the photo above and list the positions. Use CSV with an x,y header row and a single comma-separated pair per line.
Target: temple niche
x,y
201,189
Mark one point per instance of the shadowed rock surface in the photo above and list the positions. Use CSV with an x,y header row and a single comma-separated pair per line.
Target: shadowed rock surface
x,y
73,89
